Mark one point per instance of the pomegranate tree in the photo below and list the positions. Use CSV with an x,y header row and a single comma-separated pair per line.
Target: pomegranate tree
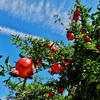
x,y
76,65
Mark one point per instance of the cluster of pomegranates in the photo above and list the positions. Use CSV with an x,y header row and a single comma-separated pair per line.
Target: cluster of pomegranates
x,y
71,36
51,46
86,37
56,67
25,67
53,49
59,90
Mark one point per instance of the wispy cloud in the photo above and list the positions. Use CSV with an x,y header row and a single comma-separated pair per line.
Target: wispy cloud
x,y
8,31
38,11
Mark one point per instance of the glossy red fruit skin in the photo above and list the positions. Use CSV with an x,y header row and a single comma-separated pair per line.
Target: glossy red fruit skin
x,y
52,72
76,12
14,73
70,36
25,67
76,18
51,94
53,49
56,67
60,90
87,38
61,68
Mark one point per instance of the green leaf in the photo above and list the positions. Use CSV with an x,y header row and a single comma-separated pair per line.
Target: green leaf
x,y
55,21
2,73
12,40
6,61
1,66
8,64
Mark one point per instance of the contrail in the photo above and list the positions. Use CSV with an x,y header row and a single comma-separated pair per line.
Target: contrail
x,y
8,31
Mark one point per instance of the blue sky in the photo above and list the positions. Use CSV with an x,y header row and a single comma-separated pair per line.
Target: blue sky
x,y
33,17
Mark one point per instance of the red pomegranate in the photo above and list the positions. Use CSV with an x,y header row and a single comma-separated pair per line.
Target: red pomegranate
x,y
60,90
76,12
87,38
76,18
51,94
56,67
54,49
25,67
70,36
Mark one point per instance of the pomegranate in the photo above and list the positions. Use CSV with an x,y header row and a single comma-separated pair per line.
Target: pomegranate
x,y
25,67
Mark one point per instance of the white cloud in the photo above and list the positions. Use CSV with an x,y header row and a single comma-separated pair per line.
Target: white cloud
x,y
38,11
8,31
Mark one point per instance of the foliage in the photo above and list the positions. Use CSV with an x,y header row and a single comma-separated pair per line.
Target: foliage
x,y
35,90
81,77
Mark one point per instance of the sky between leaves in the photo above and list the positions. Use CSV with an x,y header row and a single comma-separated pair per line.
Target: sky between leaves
x,y
33,17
